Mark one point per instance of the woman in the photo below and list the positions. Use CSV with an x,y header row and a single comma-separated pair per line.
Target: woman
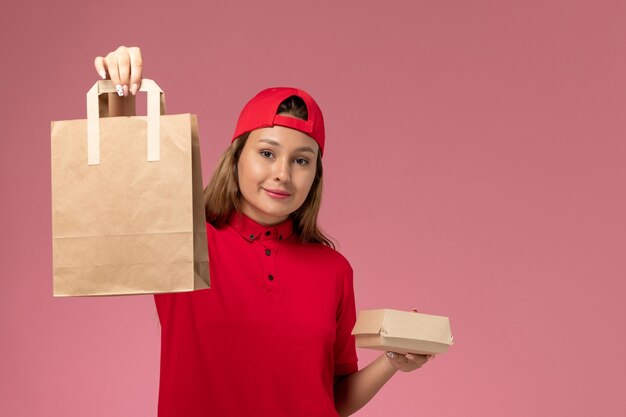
x,y
272,335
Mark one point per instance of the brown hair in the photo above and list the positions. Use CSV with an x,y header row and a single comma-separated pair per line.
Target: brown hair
x,y
222,195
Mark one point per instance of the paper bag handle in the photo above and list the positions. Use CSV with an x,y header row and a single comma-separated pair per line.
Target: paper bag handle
x,y
156,107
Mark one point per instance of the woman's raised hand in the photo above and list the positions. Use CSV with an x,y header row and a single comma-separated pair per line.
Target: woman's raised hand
x,y
124,67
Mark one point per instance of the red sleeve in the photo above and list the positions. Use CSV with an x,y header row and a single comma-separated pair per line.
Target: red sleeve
x,y
345,349
164,303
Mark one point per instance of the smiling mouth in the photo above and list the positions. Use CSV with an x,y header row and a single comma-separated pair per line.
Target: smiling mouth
x,y
277,193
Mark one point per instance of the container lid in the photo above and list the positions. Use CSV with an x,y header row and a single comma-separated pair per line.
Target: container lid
x,y
404,325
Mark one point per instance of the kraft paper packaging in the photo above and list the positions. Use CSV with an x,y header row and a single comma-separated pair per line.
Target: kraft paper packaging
x,y
127,201
402,331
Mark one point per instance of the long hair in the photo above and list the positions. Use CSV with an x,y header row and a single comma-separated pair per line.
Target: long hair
x,y
222,195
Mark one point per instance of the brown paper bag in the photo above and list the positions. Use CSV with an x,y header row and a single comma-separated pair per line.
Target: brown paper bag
x,y
127,202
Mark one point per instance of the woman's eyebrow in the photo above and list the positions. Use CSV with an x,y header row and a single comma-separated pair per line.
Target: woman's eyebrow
x,y
305,149
300,149
270,141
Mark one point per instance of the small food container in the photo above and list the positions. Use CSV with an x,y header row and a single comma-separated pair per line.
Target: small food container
x,y
402,332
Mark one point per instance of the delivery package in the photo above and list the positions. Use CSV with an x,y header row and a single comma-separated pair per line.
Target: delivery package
x,y
402,331
127,201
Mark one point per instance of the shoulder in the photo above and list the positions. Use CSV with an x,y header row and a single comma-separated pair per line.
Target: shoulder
x,y
210,228
325,256
217,232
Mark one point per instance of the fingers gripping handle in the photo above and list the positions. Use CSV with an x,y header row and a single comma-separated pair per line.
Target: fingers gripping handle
x,y
156,107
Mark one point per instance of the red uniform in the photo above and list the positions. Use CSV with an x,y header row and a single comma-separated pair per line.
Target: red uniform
x,y
268,337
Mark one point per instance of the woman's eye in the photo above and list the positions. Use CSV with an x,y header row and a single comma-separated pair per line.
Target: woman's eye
x,y
302,161
266,154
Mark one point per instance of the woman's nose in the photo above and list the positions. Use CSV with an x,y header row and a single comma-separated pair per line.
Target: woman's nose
x,y
282,169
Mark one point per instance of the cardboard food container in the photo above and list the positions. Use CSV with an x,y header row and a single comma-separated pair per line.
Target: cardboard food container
x,y
402,331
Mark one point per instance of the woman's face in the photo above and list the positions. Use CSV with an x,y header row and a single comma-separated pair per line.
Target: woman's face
x,y
276,169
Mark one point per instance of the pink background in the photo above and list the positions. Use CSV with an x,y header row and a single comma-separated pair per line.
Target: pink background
x,y
474,168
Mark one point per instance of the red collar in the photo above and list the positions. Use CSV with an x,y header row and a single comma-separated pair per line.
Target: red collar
x,y
251,230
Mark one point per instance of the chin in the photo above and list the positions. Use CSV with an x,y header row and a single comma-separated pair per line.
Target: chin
x,y
277,209
276,216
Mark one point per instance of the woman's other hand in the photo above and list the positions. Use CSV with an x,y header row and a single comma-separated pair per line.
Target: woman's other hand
x,y
124,67
410,361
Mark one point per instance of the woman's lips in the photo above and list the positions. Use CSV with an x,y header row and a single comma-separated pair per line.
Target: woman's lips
x,y
277,193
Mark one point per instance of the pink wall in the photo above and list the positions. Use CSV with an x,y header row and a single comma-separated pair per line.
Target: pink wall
x,y
474,168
